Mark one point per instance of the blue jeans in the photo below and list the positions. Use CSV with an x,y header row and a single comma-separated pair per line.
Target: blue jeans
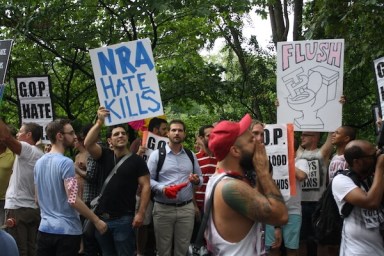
x,y
119,239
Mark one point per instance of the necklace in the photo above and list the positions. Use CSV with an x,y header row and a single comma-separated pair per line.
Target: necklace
x,y
235,175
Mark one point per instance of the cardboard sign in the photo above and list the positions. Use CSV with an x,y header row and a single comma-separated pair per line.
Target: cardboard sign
x,y
5,52
310,84
35,103
279,144
314,176
379,71
126,81
152,142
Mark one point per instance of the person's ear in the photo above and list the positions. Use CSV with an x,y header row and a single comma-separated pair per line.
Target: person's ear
x,y
235,151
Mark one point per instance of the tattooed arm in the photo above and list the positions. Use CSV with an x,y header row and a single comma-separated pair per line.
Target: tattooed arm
x,y
269,206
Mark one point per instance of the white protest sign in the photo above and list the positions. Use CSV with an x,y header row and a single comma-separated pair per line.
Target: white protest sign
x,y
34,94
310,84
152,142
278,140
379,71
126,81
312,182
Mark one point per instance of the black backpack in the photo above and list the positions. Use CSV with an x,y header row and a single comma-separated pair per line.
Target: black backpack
x,y
326,219
163,153
160,162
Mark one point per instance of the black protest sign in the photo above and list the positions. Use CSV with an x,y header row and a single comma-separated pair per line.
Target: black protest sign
x,y
5,50
379,71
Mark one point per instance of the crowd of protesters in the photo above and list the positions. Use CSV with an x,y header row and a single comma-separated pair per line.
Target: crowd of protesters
x,y
109,200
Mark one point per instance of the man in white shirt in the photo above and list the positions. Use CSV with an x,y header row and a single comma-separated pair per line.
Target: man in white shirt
x,y
20,196
361,229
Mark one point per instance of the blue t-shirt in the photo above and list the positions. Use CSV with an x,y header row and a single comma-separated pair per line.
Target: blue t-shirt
x,y
8,244
57,216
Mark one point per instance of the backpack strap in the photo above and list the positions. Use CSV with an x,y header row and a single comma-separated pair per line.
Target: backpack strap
x,y
199,241
190,155
163,153
160,162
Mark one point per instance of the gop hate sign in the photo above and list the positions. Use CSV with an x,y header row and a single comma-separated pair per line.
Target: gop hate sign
x,y
152,142
126,81
35,104
279,144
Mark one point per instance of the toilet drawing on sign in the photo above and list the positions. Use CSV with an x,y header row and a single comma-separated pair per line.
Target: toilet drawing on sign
x,y
310,92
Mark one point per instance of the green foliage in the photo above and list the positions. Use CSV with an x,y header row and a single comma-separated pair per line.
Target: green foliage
x,y
357,22
54,38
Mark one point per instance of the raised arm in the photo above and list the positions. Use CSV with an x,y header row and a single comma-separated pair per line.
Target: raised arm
x,y
6,137
90,141
268,207
326,149
371,199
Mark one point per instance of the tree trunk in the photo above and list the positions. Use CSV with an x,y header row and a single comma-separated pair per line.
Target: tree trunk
x,y
297,19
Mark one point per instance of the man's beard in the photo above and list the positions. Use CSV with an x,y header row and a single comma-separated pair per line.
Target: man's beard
x,y
67,144
246,163
176,141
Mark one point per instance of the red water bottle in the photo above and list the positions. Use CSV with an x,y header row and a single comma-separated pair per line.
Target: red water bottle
x,y
10,222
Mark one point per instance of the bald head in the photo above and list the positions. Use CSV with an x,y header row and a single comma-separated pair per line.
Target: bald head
x,y
357,149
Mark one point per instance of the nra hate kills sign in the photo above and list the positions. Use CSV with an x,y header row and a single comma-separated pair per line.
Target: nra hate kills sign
x,y
126,81
35,104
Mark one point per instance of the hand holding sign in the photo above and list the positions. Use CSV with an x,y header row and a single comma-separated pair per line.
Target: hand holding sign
x,y
171,191
102,113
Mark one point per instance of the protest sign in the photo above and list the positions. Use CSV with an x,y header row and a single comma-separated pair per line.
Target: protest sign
x,y
35,104
126,81
379,71
5,50
279,144
310,84
152,142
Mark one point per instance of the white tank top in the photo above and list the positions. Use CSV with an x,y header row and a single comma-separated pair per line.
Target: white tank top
x,y
252,244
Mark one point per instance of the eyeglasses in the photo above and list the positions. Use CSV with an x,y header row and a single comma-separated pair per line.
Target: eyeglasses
x,y
70,133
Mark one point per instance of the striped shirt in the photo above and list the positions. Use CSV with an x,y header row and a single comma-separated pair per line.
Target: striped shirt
x,y
208,167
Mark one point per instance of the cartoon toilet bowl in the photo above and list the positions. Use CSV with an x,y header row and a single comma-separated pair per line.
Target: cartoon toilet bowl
x,y
309,94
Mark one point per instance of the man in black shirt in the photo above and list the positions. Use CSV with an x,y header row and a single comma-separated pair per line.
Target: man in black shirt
x,y
117,204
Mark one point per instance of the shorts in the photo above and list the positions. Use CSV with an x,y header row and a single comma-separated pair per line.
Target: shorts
x,y
290,232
